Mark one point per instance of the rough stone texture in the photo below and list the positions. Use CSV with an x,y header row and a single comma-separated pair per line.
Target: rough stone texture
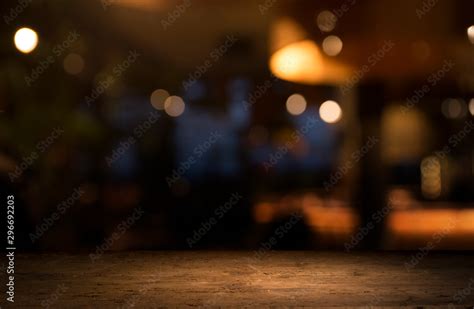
x,y
238,279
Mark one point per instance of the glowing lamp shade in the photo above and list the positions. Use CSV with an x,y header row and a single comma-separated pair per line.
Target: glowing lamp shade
x,y
330,112
298,59
25,40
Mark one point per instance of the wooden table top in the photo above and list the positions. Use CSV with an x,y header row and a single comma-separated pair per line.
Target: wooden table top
x,y
151,279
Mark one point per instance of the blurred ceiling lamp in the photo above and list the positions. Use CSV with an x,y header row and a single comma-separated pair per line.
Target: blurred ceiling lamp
x,y
25,40
296,58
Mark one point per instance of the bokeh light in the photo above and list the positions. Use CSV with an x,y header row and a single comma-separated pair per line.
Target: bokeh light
x,y
470,33
174,106
471,106
73,64
454,108
158,98
332,45
330,111
406,135
326,21
296,104
26,40
431,177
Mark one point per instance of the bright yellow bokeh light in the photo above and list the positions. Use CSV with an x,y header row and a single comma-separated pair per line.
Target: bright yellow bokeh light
x,y
174,106
158,98
296,104
25,40
330,111
332,45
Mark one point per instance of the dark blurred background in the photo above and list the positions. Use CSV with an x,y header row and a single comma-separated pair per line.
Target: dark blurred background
x,y
141,124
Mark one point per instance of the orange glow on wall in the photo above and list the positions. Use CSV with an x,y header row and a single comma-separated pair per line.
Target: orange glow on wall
x,y
430,221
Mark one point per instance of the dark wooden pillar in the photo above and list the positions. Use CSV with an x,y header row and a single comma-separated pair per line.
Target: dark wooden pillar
x,y
370,191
